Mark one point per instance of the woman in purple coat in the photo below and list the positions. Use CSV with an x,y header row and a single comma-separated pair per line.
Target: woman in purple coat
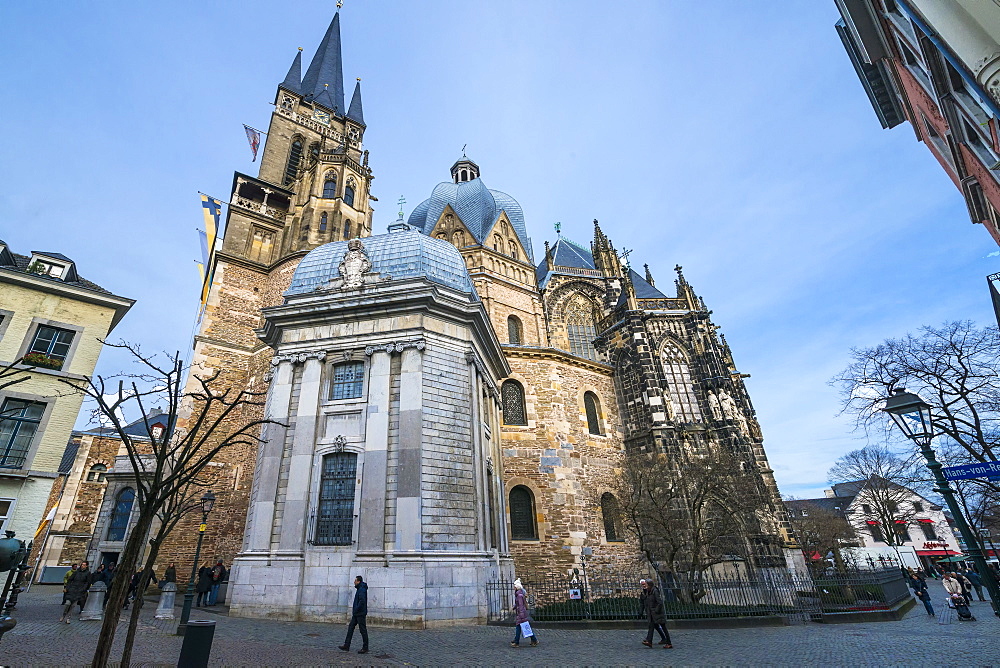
x,y
520,614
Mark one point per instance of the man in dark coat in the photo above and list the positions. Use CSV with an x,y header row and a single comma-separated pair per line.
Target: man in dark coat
x,y
359,611
652,607
69,573
977,582
204,584
77,586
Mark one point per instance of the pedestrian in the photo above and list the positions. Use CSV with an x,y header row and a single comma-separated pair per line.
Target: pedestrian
x,y
951,584
77,586
920,591
652,607
204,585
218,575
966,585
69,573
359,611
137,585
977,582
170,575
521,614
133,584
108,576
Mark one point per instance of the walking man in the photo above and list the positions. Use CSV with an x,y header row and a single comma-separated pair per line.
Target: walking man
x,y
920,591
652,605
77,586
359,611
977,582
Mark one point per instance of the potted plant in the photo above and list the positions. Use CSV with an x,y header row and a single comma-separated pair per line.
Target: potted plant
x,y
42,360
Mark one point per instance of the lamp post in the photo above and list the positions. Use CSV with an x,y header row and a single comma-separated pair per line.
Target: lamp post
x,y
913,417
207,501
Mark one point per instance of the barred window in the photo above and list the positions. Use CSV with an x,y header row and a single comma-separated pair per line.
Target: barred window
x,y
512,395
335,519
19,421
522,514
348,380
294,158
580,327
330,187
593,408
610,513
120,514
514,330
678,376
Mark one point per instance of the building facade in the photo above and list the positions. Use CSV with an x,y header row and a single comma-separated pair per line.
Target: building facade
x,y
936,64
593,362
52,323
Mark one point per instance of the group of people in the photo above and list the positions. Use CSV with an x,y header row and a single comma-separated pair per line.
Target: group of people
x,y
210,579
957,583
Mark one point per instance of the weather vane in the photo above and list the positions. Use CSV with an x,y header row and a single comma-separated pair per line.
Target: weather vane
x,y
402,201
340,4
624,255
558,227
463,150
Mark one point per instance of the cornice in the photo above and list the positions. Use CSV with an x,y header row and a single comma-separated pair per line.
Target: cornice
x,y
556,355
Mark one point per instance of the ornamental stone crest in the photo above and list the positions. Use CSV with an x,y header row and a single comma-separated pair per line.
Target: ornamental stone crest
x,y
355,269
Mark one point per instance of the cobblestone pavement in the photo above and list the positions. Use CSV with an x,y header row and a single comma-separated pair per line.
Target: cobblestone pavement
x,y
917,640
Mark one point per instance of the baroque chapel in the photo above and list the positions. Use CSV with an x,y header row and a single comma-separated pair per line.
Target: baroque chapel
x,y
451,401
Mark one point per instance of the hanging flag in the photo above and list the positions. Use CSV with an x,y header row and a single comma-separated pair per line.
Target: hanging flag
x,y
45,522
204,247
212,209
253,136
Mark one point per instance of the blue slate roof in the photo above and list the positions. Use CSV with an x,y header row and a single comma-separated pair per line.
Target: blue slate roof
x,y
477,206
400,254
567,253
327,68
293,80
68,457
355,112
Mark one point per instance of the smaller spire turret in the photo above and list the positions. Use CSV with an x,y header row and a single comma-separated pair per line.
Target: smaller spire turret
x,y
293,80
649,276
606,259
685,291
354,112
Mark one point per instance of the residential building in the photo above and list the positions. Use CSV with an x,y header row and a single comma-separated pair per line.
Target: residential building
x,y
936,64
52,324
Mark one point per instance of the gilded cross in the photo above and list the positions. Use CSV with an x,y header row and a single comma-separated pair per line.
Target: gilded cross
x,y
401,202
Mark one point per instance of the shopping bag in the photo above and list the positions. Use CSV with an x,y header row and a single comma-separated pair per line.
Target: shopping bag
x,y
526,630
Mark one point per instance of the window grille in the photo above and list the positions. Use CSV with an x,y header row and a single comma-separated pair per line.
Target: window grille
x,y
348,380
294,158
349,195
590,404
522,514
678,376
513,329
330,187
512,395
52,342
335,519
609,511
19,421
119,516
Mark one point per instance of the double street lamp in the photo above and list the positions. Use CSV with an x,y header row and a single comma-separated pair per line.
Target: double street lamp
x,y
913,417
207,501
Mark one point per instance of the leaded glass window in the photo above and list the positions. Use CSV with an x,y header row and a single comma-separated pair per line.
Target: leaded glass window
x,y
512,395
294,158
120,514
610,515
19,421
514,330
522,514
592,406
335,517
330,187
580,327
348,380
683,401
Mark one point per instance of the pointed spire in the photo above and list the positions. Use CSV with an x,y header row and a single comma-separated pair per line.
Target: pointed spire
x,y
327,68
354,112
293,80
649,276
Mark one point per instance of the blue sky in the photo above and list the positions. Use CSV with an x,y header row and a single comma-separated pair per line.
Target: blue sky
x,y
732,138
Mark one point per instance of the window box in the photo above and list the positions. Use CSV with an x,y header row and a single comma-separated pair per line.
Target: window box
x,y
42,360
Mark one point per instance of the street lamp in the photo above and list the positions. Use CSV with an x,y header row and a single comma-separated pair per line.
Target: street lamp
x,y
913,417
207,501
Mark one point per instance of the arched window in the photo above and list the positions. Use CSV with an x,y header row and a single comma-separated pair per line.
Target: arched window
x,y
96,473
512,396
322,222
610,513
580,327
120,514
682,398
347,229
458,238
513,249
514,330
294,158
522,514
593,408
497,243
465,175
330,186
349,194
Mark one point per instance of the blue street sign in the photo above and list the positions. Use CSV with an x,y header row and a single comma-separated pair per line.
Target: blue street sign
x,y
989,470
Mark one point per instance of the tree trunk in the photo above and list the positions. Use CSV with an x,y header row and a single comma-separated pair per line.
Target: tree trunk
x,y
133,622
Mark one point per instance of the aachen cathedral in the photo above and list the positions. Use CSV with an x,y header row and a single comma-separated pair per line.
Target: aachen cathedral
x,y
452,402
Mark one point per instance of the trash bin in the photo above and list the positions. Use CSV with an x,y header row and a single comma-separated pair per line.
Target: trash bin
x,y
197,646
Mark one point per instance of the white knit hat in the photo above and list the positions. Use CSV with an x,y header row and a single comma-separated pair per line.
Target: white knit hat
x,y
517,584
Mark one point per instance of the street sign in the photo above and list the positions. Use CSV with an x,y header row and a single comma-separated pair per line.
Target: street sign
x,y
983,470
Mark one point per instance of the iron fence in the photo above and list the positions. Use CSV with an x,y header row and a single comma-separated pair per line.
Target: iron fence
x,y
613,595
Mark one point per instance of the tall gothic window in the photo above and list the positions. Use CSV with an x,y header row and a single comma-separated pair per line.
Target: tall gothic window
x,y
349,192
120,514
522,514
513,249
335,515
610,515
330,186
347,229
580,327
294,158
682,398
348,380
593,409
512,395
322,222
514,330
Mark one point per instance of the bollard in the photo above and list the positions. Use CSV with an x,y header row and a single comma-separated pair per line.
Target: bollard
x,y
93,609
197,644
165,608
6,624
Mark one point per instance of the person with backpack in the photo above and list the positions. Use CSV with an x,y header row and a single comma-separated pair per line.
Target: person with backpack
x,y
652,607
218,575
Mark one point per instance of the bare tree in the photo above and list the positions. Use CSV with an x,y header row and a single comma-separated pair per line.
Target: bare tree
x,y
820,532
12,374
689,516
165,465
884,484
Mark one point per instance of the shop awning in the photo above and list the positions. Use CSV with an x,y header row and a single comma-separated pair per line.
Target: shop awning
x,y
926,521
950,559
937,553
